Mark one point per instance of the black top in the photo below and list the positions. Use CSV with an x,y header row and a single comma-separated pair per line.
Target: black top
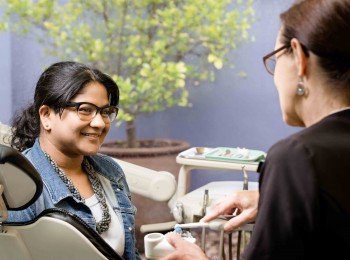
x,y
304,205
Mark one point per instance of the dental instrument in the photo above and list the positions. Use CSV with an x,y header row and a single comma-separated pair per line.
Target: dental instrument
x,y
217,224
205,205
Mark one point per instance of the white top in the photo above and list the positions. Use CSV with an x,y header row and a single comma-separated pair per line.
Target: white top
x,y
114,236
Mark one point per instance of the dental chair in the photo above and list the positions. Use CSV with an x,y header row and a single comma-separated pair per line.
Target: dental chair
x,y
35,240
54,234
57,234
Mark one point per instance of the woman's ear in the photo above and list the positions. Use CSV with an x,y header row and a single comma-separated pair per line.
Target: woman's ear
x,y
45,114
299,57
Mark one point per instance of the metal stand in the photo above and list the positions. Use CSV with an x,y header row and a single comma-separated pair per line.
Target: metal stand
x,y
188,163
204,211
221,246
240,233
3,210
230,246
203,239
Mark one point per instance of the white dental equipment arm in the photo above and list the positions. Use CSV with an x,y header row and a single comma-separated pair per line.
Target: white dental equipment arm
x,y
155,185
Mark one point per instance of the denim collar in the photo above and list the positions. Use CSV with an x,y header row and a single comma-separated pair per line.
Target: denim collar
x,y
55,186
106,167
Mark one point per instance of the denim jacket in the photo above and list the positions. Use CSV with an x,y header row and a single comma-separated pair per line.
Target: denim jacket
x,y
56,195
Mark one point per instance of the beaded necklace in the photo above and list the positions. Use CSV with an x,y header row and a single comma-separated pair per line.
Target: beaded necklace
x,y
102,225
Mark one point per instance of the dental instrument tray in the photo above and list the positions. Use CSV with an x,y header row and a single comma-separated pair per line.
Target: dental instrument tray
x,y
239,155
226,154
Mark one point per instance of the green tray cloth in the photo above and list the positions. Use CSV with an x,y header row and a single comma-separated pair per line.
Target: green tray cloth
x,y
229,154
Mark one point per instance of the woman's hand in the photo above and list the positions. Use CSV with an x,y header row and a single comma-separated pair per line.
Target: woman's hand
x,y
184,250
246,203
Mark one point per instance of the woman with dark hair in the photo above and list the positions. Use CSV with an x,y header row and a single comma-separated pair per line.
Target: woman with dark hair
x,y
303,211
61,133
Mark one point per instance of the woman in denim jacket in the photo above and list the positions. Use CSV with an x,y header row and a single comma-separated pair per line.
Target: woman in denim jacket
x,y
61,133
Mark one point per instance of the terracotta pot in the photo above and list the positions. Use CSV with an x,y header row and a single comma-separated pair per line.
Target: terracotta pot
x,y
157,155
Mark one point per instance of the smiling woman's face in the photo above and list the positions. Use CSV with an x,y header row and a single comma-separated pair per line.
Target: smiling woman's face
x,y
75,137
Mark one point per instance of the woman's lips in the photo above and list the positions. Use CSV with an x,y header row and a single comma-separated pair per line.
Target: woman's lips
x,y
92,136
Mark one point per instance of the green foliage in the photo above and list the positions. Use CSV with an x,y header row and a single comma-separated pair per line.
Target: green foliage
x,y
152,48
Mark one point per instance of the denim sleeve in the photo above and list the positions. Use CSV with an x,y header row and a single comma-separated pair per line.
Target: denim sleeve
x,y
29,213
21,215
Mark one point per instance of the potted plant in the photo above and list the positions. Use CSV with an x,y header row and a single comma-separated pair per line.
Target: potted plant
x,y
153,49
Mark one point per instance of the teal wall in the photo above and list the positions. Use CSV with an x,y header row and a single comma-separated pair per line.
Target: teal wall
x,y
5,78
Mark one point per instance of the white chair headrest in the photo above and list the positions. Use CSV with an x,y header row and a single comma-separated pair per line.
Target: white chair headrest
x,y
22,183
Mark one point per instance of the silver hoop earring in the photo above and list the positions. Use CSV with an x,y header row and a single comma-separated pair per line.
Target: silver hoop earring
x,y
301,87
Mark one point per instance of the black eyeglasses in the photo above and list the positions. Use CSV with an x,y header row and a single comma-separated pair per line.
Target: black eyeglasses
x,y
87,111
270,59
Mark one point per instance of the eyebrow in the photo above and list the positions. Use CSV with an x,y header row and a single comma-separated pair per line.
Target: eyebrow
x,y
108,105
104,106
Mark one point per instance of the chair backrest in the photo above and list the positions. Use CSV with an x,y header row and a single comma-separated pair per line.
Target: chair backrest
x,y
55,233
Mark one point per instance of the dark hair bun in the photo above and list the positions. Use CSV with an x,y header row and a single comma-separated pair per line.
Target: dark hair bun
x,y
323,27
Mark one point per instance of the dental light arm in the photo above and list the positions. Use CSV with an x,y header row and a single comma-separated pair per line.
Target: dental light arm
x,y
155,185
